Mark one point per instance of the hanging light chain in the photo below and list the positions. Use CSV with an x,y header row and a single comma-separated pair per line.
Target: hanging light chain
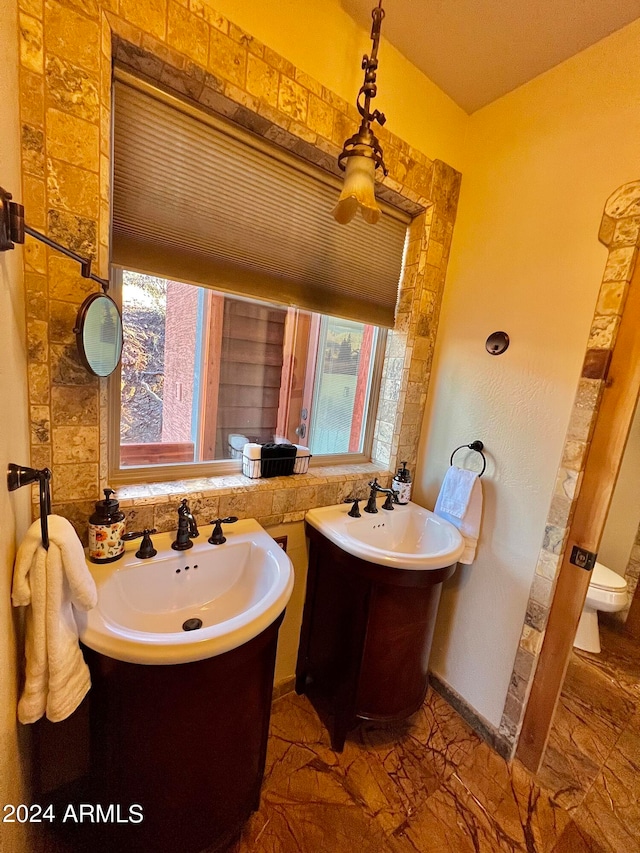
x,y
370,67
364,142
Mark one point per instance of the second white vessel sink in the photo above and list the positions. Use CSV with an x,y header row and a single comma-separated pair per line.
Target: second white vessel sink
x,y
407,537
235,590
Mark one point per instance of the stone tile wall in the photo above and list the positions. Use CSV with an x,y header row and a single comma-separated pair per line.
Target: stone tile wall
x,y
632,573
67,48
620,232
278,500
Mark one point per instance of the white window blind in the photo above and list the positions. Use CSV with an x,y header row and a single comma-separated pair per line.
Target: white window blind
x,y
198,204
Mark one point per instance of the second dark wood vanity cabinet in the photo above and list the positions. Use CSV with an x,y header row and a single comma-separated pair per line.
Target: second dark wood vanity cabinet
x,y
366,637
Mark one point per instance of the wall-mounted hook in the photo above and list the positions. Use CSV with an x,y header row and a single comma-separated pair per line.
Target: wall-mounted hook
x,y
497,343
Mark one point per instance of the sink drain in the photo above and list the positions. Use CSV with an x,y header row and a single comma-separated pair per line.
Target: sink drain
x,y
192,625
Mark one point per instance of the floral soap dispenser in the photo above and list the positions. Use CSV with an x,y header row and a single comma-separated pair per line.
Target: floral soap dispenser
x,y
106,528
402,484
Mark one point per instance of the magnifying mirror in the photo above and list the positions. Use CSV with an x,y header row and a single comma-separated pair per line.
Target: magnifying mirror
x,y
99,334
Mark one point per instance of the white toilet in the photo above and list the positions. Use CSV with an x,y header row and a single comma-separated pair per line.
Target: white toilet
x,y
607,592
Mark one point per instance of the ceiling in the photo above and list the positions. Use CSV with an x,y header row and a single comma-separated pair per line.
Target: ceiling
x,y
478,50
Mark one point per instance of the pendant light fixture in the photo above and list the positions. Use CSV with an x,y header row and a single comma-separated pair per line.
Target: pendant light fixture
x,y
361,154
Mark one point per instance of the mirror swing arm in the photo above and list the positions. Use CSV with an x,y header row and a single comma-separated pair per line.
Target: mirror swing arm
x,y
13,230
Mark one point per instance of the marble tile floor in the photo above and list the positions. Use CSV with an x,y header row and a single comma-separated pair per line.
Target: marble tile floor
x,y
592,762
432,786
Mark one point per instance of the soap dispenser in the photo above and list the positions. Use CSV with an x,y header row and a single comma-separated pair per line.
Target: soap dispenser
x,y
106,528
402,484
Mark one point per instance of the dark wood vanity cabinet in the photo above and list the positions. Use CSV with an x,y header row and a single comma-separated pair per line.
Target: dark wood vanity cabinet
x,y
187,743
366,637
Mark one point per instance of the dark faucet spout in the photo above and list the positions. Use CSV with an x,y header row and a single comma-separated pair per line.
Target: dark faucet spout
x,y
187,528
392,497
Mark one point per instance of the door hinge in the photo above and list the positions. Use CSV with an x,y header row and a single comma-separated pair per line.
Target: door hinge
x,y
582,558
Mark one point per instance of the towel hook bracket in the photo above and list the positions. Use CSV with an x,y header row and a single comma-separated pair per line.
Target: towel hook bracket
x,y
20,475
478,447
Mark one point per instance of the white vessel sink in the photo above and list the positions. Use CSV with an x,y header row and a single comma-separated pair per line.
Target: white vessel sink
x,y
407,537
237,589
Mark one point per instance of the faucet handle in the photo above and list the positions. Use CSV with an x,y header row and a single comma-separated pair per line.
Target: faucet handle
x,y
217,537
354,512
146,549
392,498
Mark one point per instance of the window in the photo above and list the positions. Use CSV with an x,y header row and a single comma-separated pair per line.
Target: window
x,y
203,372
223,359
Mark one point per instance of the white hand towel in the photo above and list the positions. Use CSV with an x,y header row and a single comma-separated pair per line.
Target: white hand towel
x,y
49,583
460,502
252,460
252,450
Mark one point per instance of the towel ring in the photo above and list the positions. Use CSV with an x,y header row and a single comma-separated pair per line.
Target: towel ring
x,y
478,446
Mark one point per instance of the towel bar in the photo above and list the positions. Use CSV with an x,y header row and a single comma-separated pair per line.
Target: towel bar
x,y
478,446
18,476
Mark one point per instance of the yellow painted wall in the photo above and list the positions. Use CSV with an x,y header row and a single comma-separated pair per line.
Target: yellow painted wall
x,y
290,629
540,165
14,446
320,38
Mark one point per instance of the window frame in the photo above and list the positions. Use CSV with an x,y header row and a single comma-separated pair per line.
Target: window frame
x,y
221,467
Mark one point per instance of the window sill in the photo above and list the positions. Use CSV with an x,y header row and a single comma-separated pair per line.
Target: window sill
x,y
276,500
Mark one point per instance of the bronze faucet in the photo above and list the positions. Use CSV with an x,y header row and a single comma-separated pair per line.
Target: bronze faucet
x,y
392,497
187,528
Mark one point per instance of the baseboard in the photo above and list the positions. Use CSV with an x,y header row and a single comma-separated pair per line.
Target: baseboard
x,y
481,726
486,730
283,687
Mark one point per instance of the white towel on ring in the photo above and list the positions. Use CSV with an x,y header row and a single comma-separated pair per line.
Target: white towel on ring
x,y
460,502
49,584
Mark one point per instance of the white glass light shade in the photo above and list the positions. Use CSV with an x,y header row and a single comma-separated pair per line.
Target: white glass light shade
x,y
357,192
